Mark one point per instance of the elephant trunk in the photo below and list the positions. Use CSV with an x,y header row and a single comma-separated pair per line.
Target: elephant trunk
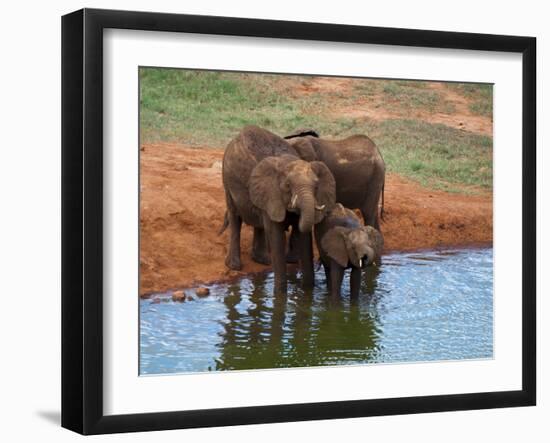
x,y
306,202
371,256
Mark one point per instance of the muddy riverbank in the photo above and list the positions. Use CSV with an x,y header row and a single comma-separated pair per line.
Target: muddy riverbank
x,y
182,206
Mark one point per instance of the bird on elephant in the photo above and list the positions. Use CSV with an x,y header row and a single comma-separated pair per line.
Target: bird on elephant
x,y
268,187
344,242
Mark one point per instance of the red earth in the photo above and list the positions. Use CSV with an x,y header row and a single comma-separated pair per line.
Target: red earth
x,y
182,207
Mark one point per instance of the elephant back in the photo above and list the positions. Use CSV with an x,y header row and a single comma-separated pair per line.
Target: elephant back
x,y
339,216
302,132
352,150
342,216
262,143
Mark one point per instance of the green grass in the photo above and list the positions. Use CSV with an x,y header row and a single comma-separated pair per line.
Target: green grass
x,y
480,94
208,108
408,96
435,155
403,96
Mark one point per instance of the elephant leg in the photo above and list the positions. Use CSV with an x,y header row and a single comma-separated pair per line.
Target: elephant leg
x,y
260,253
327,275
276,237
306,259
233,259
293,245
355,282
369,211
336,277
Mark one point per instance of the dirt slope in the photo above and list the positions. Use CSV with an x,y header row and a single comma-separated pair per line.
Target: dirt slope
x,y
182,207
376,107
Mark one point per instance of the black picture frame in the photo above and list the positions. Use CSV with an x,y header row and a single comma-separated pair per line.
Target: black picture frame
x,y
82,218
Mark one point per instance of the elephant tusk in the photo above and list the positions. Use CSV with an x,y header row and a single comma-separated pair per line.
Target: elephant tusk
x,y
360,263
293,202
320,208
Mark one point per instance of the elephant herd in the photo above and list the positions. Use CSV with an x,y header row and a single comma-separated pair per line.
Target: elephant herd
x,y
305,183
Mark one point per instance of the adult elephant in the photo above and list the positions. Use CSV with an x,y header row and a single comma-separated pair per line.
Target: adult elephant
x,y
270,188
356,164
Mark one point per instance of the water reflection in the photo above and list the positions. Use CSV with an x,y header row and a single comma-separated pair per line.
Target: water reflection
x,y
415,307
290,331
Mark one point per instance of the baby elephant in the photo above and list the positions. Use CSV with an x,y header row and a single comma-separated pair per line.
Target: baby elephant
x,y
343,241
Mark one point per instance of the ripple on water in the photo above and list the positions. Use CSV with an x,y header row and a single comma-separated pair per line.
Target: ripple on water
x,y
434,305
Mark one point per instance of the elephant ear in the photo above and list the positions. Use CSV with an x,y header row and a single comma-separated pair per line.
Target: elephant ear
x,y
325,194
333,244
264,188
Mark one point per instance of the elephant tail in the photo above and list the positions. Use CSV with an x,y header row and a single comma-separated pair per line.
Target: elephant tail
x,y
225,224
382,201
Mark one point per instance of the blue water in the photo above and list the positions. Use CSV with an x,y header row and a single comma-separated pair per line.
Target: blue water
x,y
422,306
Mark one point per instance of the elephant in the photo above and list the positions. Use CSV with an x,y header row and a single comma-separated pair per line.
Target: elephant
x,y
358,169
268,187
344,242
356,164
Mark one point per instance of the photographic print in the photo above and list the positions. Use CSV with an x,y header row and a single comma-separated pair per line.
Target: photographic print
x,y
292,221
250,204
